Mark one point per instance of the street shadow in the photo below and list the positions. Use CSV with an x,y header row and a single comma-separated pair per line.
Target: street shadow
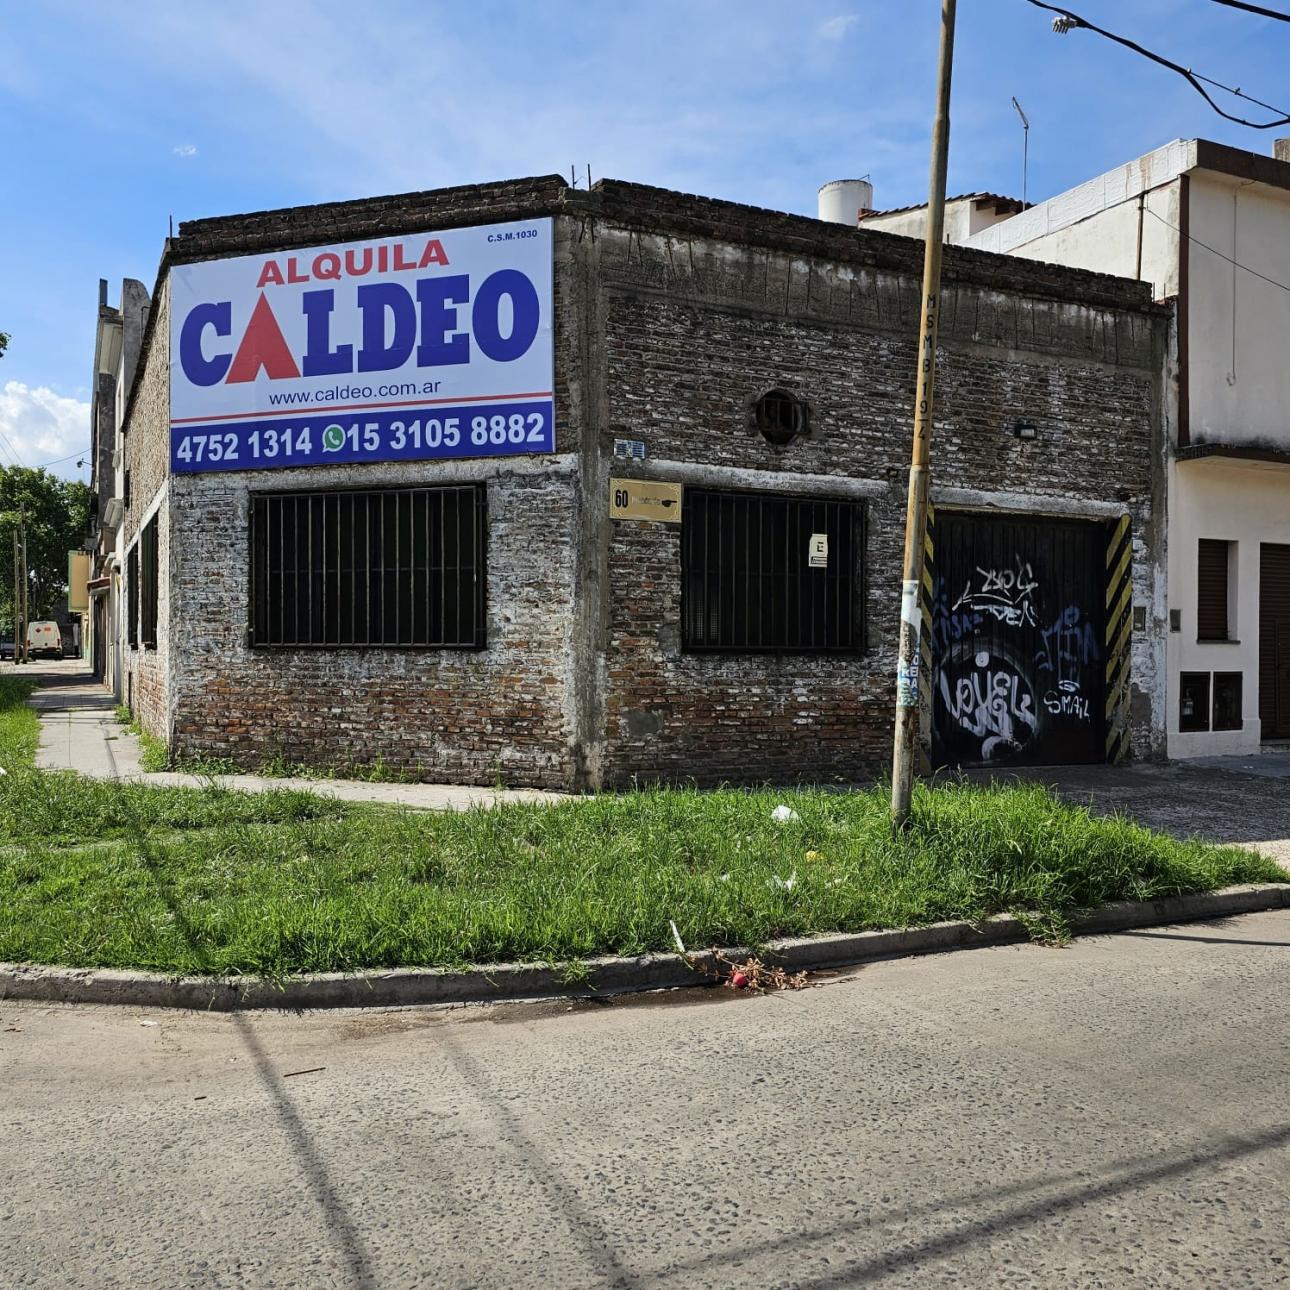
x,y
890,1262
352,1248
596,1242
57,689
1205,940
339,1225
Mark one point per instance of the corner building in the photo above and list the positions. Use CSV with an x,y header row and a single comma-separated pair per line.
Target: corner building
x,y
687,567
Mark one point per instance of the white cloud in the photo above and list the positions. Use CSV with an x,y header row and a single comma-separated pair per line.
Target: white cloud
x,y
185,150
837,28
40,425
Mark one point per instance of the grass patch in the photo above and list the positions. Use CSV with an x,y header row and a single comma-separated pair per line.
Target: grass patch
x,y
110,874
19,724
323,888
56,809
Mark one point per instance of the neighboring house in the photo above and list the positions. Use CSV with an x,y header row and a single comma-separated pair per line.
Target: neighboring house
x,y
965,215
1208,226
117,337
581,488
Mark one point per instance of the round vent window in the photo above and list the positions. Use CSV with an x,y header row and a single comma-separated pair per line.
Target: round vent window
x,y
780,416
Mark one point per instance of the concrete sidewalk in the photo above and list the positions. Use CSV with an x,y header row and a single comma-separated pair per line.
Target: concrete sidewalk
x,y
79,731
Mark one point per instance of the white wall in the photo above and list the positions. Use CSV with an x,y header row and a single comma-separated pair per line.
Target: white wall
x,y
1242,502
963,219
1239,335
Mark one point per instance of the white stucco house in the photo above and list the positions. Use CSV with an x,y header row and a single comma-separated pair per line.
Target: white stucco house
x,y
1209,226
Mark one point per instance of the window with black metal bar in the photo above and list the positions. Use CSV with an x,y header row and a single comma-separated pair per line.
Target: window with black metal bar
x,y
148,579
764,573
393,568
132,597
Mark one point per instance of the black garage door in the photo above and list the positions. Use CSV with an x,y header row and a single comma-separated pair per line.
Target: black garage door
x,y
1018,613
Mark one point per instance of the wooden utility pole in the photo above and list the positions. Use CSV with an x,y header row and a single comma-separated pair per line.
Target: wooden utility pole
x,y
911,620
26,576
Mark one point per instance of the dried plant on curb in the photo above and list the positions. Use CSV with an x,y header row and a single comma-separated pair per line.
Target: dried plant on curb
x,y
753,974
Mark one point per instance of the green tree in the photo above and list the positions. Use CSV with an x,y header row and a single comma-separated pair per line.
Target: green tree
x,y
57,513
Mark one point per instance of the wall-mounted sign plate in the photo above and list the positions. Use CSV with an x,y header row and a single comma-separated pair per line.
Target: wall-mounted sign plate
x,y
642,499
817,551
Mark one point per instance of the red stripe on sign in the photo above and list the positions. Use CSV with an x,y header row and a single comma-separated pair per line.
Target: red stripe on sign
x,y
306,409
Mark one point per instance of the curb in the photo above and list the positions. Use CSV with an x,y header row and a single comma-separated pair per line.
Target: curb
x,y
604,976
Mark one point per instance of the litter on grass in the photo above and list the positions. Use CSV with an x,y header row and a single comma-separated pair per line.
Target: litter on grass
x,y
784,814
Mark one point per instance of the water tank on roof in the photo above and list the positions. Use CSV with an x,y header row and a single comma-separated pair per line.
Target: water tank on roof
x,y
842,200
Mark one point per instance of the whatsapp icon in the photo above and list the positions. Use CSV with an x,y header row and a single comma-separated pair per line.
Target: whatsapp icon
x,y
333,438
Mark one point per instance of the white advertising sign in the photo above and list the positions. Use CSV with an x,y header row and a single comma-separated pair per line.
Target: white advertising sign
x,y
411,347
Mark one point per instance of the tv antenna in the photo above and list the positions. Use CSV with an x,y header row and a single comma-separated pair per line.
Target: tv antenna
x,y
1025,148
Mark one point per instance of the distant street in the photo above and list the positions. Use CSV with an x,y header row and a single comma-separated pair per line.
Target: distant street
x,y
1112,1114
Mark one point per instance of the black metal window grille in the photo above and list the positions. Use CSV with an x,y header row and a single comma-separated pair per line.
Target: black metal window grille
x,y
780,417
1193,701
1227,701
132,597
399,567
148,572
748,582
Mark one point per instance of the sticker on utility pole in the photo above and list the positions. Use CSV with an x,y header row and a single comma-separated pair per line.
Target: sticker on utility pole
x,y
909,611
817,552
907,683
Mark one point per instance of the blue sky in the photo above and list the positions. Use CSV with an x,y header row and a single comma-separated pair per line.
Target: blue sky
x,y
116,117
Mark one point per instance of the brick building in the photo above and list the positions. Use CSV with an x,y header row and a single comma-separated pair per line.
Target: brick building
x,y
701,580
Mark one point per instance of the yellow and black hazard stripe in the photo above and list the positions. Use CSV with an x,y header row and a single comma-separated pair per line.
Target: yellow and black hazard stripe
x,y
1119,636
925,648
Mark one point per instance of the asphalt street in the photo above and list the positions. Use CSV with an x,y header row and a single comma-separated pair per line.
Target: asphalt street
x,y
1116,1113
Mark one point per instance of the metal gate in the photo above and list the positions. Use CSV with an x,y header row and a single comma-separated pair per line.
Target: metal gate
x,y
1019,644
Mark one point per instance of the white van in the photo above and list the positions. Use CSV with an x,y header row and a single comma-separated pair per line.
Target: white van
x,y
44,640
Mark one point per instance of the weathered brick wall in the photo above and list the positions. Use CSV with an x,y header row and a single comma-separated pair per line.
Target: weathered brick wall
x,y
507,711
696,328
146,454
673,314
456,715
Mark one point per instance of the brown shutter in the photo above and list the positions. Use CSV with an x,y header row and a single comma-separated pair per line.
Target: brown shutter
x,y
1211,591
1274,640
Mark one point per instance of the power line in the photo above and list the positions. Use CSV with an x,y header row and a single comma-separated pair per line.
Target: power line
x,y
1069,20
17,460
45,464
1255,8
1215,251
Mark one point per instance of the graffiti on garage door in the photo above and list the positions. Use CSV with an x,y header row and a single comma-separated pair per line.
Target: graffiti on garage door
x,y
1017,610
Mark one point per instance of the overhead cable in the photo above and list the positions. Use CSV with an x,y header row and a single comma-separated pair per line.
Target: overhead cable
x,y
1068,21
1255,8
1215,251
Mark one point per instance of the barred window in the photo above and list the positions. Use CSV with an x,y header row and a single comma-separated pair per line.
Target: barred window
x,y
764,573
148,584
398,567
132,597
